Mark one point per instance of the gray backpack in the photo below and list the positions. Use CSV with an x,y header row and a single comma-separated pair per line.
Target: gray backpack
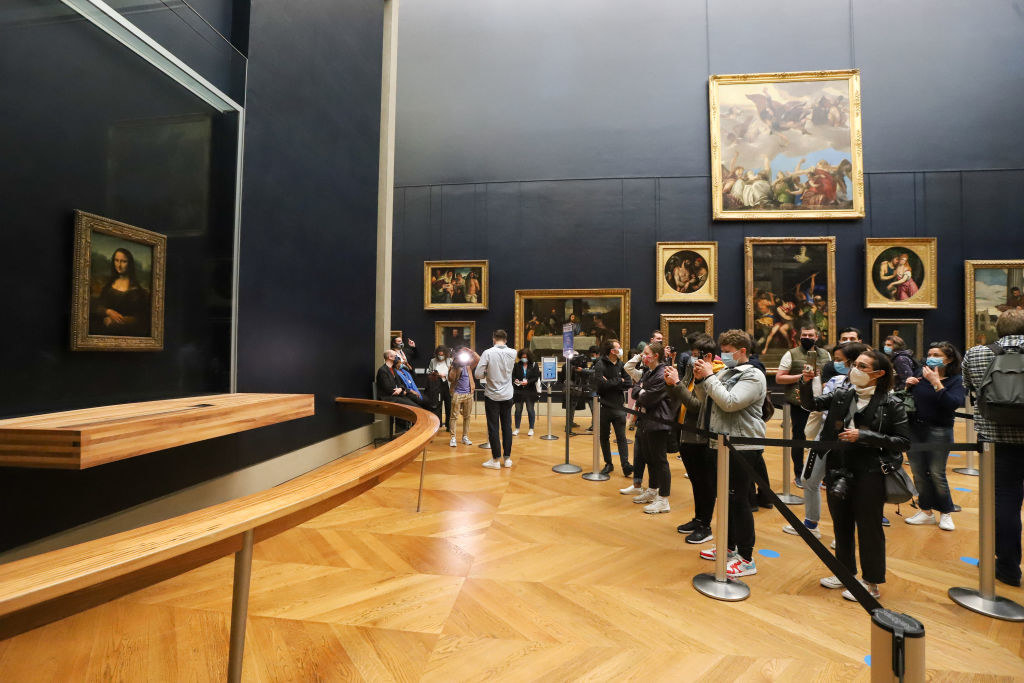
x,y
1001,393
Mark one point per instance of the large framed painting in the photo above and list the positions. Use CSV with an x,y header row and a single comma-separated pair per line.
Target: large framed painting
x,y
790,281
687,271
452,334
676,326
786,146
455,285
117,302
595,314
991,287
901,272
910,330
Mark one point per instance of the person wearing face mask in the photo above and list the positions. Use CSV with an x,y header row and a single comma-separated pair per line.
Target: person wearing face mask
x,y
866,415
903,364
610,384
524,389
404,351
793,362
737,394
440,392
653,401
938,393
846,335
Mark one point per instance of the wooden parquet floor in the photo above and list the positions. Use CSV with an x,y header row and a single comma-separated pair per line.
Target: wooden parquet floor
x,y
526,575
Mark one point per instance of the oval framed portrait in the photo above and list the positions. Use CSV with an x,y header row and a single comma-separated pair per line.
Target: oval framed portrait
x,y
901,273
686,271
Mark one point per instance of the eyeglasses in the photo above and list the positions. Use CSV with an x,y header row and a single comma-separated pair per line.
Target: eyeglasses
x,y
866,367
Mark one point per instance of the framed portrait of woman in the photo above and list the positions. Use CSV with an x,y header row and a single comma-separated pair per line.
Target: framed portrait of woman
x,y
901,272
687,271
118,292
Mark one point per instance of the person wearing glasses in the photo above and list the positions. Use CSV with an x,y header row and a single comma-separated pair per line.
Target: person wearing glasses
x,y
865,415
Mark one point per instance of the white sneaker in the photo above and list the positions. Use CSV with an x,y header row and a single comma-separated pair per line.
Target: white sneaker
x,y
492,464
711,553
515,432
946,522
452,442
647,496
831,582
529,433
833,546
872,588
790,530
631,490
465,440
921,518
660,504
508,462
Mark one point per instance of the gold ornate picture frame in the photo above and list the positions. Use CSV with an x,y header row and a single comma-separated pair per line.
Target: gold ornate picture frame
x,y
117,301
599,314
456,285
686,272
675,325
990,287
454,333
789,281
786,146
910,330
901,272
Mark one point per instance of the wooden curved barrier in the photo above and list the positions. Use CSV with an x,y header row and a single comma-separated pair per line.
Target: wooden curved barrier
x,y
47,587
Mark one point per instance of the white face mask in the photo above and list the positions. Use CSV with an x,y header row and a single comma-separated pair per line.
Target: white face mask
x,y
859,378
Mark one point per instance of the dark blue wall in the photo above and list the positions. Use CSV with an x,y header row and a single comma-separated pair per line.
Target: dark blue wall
x,y
503,108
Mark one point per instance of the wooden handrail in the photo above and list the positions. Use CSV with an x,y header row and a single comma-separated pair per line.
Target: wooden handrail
x,y
44,588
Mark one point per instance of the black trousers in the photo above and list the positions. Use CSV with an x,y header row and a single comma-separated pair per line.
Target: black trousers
x,y
1009,498
702,466
640,456
758,496
741,518
659,475
799,418
861,510
616,418
499,413
444,400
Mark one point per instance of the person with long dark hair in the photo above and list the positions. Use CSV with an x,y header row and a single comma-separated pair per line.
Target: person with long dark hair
x,y
437,379
122,307
652,397
938,393
864,414
524,389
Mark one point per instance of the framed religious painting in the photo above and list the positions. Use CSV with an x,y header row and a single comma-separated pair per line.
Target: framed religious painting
x,y
452,334
786,146
901,272
595,315
991,287
790,282
910,330
687,272
455,285
117,301
676,326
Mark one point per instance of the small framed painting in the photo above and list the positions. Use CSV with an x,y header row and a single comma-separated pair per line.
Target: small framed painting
x,y
117,302
452,334
901,272
676,326
687,271
455,285
990,287
910,330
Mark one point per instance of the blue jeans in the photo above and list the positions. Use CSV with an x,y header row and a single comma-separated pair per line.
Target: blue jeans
x,y
929,467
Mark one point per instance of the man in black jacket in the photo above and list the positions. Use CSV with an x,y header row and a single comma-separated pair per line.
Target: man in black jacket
x,y
389,385
610,381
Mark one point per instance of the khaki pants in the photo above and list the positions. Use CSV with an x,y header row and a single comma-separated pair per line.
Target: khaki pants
x,y
462,404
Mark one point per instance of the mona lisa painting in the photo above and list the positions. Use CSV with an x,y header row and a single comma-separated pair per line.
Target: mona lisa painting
x,y
118,298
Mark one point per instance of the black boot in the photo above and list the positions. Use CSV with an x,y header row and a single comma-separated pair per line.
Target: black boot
x,y
607,469
627,469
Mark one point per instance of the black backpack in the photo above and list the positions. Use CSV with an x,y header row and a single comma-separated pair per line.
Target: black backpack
x,y
1001,393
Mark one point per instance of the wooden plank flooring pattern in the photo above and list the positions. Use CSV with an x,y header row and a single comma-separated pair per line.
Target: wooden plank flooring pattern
x,y
526,575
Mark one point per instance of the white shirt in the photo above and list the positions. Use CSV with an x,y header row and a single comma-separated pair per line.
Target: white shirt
x,y
495,366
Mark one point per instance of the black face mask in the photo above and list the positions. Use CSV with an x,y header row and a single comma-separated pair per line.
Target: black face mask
x,y
807,344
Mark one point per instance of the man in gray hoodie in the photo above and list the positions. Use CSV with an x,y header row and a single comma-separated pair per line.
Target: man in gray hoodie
x,y
737,394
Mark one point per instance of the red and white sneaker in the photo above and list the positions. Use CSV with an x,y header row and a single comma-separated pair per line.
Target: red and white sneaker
x,y
740,567
711,553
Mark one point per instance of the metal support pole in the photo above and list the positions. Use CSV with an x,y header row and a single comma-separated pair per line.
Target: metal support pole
x,y
423,470
596,475
718,585
567,467
787,495
549,436
972,437
984,600
240,607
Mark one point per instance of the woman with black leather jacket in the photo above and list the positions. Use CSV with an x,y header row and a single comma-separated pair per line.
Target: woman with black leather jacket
x,y
865,415
653,400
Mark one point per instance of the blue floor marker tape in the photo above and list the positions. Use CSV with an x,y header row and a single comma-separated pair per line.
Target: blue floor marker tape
x,y
970,560
767,553
867,660
955,455
615,452
961,488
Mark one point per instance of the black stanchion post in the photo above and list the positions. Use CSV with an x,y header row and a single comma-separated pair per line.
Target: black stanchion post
x,y
972,436
787,495
596,475
718,585
567,467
